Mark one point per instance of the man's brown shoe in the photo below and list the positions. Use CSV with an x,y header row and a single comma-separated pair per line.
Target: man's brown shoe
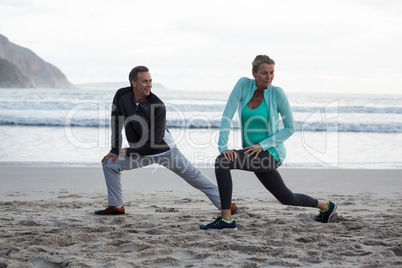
x,y
234,209
111,211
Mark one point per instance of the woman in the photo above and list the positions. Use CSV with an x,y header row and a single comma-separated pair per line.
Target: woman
x,y
259,105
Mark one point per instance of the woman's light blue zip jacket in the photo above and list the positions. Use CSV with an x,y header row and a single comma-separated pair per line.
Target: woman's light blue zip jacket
x,y
277,103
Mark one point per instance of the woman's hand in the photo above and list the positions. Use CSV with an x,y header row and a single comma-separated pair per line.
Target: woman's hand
x,y
253,149
230,154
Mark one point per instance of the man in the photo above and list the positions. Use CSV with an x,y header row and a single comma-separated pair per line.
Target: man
x,y
143,116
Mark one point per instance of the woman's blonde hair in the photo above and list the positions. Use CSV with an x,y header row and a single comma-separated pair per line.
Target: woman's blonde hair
x,y
260,59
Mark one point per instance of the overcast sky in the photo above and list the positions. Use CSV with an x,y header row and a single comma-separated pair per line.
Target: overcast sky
x,y
319,46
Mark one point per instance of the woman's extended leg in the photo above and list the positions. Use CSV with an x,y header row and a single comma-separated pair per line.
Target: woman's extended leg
x,y
274,183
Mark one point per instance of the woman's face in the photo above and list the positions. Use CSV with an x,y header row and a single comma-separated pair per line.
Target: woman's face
x,y
264,76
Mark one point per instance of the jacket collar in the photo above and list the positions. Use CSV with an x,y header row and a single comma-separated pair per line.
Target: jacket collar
x,y
265,90
132,96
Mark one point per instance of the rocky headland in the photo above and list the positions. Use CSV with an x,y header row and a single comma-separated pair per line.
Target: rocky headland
x,y
21,68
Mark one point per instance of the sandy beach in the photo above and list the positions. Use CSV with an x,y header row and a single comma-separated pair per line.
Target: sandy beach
x,y
47,220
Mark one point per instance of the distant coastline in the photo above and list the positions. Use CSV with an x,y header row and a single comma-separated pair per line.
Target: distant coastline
x,y
111,85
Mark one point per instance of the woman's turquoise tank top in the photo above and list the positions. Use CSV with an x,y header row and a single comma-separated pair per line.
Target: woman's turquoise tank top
x,y
255,126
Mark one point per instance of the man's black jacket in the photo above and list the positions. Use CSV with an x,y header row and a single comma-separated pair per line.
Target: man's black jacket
x,y
144,123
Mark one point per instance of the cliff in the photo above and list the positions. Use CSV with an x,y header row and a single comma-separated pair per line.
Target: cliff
x,y
39,72
11,77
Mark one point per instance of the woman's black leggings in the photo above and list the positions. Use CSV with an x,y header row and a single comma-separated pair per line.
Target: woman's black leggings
x,y
264,167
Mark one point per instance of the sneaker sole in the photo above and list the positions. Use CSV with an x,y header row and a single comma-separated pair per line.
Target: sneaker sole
x,y
112,214
234,229
332,214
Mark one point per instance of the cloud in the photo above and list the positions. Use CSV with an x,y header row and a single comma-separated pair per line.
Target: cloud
x,y
209,44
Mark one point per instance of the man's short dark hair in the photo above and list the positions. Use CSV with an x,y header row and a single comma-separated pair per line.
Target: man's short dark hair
x,y
134,73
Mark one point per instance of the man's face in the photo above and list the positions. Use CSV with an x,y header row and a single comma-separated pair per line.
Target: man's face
x,y
142,87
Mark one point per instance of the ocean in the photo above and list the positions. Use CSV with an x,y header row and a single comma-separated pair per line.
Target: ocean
x,y
58,127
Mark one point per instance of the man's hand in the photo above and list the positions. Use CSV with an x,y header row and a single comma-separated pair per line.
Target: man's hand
x,y
253,149
114,156
123,152
106,157
230,154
